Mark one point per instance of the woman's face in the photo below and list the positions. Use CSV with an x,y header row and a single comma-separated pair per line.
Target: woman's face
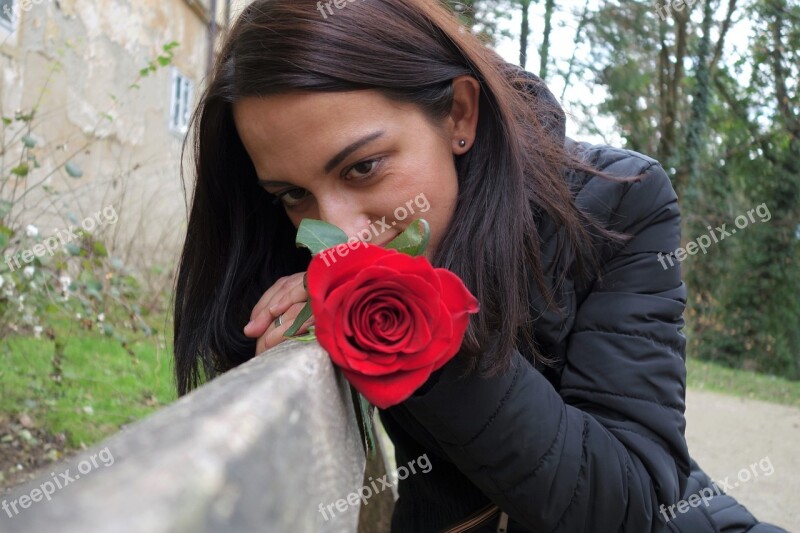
x,y
357,160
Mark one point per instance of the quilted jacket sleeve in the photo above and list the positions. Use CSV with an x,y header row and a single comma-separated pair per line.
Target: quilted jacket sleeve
x,y
608,448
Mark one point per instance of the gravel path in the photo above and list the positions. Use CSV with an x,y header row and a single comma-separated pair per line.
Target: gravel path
x,y
754,445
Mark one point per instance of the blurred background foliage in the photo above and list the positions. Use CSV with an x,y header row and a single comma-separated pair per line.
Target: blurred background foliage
x,y
711,88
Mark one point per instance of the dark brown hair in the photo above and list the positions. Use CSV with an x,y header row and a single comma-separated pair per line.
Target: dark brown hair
x,y
239,242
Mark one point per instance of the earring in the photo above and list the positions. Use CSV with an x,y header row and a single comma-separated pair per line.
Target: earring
x,y
462,143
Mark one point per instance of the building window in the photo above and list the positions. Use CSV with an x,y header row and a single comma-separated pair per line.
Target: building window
x,y
180,103
7,14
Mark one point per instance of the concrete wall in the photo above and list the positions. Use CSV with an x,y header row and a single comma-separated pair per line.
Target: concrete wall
x,y
81,52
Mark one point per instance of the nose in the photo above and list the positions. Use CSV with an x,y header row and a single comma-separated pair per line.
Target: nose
x,y
344,213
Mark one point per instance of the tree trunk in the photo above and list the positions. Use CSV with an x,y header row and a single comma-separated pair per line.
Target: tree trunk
x,y
548,26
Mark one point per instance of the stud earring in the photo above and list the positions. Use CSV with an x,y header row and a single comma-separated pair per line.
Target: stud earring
x,y
462,143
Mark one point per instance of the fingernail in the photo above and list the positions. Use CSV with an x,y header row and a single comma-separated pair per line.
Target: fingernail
x,y
249,324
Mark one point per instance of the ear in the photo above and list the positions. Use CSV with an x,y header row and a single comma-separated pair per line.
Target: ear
x,y
464,113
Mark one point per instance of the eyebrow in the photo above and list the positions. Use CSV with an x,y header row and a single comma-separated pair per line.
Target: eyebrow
x,y
337,159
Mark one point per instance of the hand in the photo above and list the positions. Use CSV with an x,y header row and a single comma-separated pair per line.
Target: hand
x,y
286,298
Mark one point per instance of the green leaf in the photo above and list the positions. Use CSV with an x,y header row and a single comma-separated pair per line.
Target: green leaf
x,y
413,240
100,249
29,141
21,170
7,121
317,235
108,329
363,411
304,315
73,170
308,337
73,249
5,236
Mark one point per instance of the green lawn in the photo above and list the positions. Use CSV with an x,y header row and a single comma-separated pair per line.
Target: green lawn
x,y
101,388
714,377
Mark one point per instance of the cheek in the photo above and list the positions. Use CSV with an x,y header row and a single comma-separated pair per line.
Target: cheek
x,y
439,223
295,220
442,202
296,216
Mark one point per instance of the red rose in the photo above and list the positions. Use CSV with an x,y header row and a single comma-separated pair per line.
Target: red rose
x,y
387,319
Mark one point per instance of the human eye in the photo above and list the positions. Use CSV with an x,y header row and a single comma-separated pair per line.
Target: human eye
x,y
292,197
363,170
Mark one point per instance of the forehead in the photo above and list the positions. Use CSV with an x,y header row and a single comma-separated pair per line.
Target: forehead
x,y
315,114
284,132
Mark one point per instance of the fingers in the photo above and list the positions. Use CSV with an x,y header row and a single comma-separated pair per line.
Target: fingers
x,y
274,335
284,300
264,301
277,300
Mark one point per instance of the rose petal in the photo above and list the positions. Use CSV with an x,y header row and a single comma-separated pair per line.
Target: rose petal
x,y
388,390
443,345
323,278
412,288
415,266
458,298
373,366
358,319
460,302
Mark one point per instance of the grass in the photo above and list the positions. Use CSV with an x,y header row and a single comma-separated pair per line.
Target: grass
x,y
703,375
101,387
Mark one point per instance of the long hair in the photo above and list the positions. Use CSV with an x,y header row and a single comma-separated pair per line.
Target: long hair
x,y
239,242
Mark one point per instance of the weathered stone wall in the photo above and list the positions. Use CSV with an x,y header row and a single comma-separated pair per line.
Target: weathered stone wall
x,y
132,161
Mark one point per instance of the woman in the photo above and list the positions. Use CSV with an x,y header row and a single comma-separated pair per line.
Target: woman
x,y
569,413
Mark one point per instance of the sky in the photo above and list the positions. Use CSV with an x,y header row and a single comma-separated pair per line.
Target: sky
x,y
562,46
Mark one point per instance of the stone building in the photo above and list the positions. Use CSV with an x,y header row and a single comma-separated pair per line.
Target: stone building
x,y
102,134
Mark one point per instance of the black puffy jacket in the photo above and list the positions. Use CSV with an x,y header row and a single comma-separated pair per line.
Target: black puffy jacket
x,y
597,443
